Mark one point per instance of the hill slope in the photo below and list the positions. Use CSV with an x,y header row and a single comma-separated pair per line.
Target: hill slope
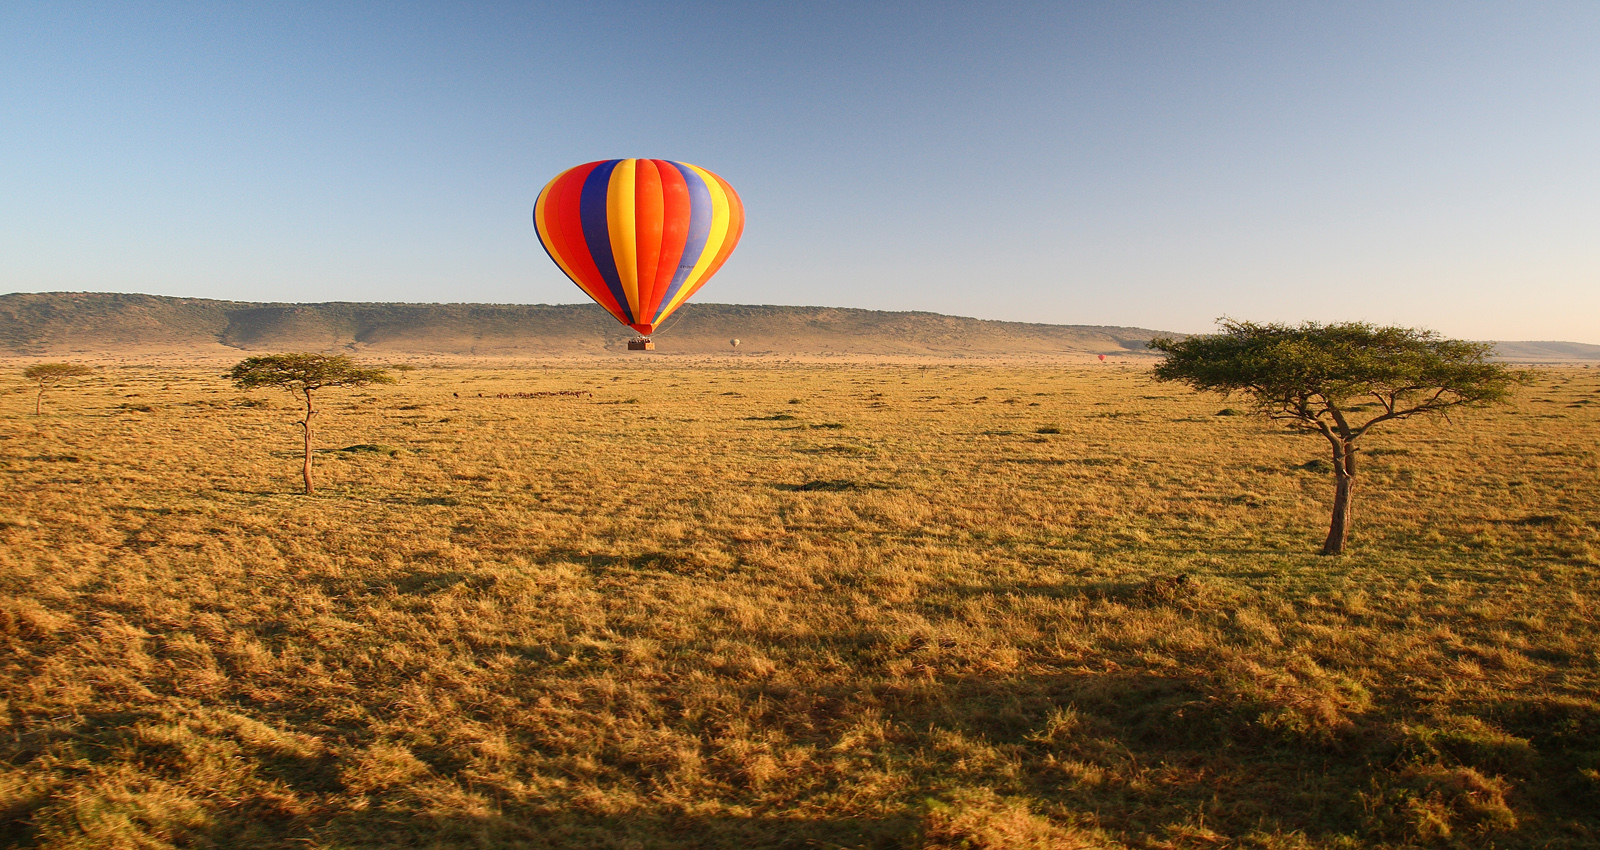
x,y
58,323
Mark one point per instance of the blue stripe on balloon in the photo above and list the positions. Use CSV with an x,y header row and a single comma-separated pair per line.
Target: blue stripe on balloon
x,y
699,232
592,209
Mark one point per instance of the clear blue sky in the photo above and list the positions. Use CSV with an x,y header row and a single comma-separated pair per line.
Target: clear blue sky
x,y
1150,164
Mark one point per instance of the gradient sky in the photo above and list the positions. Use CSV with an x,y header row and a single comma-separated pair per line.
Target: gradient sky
x,y
1148,164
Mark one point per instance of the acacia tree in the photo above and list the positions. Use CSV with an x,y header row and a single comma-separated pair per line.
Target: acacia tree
x,y
50,374
1339,380
302,375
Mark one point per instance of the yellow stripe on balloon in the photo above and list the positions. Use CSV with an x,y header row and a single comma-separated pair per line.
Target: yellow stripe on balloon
x,y
719,232
624,230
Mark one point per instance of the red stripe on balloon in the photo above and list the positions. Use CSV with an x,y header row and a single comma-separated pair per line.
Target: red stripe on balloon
x,y
647,217
674,233
574,249
554,228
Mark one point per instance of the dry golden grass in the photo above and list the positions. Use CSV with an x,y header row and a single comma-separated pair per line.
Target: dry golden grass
x,y
752,604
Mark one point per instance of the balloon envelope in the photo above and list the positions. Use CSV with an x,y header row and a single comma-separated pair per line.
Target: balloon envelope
x,y
639,236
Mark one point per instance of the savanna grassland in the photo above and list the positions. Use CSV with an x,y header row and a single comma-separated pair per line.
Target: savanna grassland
x,y
751,604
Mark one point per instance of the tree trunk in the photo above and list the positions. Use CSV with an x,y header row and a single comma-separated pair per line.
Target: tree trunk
x,y
306,470
1344,480
38,403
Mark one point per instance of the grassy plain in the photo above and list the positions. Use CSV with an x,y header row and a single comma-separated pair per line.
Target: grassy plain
x,y
752,604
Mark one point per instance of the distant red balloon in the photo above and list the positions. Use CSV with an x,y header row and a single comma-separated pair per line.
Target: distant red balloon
x,y
1102,358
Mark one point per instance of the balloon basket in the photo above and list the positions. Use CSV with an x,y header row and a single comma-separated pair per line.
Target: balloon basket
x,y
641,343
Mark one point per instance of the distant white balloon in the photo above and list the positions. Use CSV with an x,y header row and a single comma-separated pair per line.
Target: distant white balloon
x,y
734,343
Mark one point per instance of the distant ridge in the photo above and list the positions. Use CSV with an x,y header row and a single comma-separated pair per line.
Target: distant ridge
x,y
1547,352
60,323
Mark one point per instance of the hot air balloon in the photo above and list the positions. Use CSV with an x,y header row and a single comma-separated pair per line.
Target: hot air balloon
x,y
1102,358
639,236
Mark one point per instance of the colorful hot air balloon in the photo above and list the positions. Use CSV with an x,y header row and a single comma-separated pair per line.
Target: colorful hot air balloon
x,y
640,236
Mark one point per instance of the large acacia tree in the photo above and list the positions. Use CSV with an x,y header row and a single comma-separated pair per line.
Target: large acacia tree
x,y
302,375
1339,380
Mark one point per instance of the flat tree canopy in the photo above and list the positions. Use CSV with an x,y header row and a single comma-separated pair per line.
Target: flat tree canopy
x,y
304,374
1339,380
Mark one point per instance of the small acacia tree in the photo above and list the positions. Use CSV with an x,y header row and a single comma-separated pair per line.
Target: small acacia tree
x,y
1339,380
50,374
302,375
